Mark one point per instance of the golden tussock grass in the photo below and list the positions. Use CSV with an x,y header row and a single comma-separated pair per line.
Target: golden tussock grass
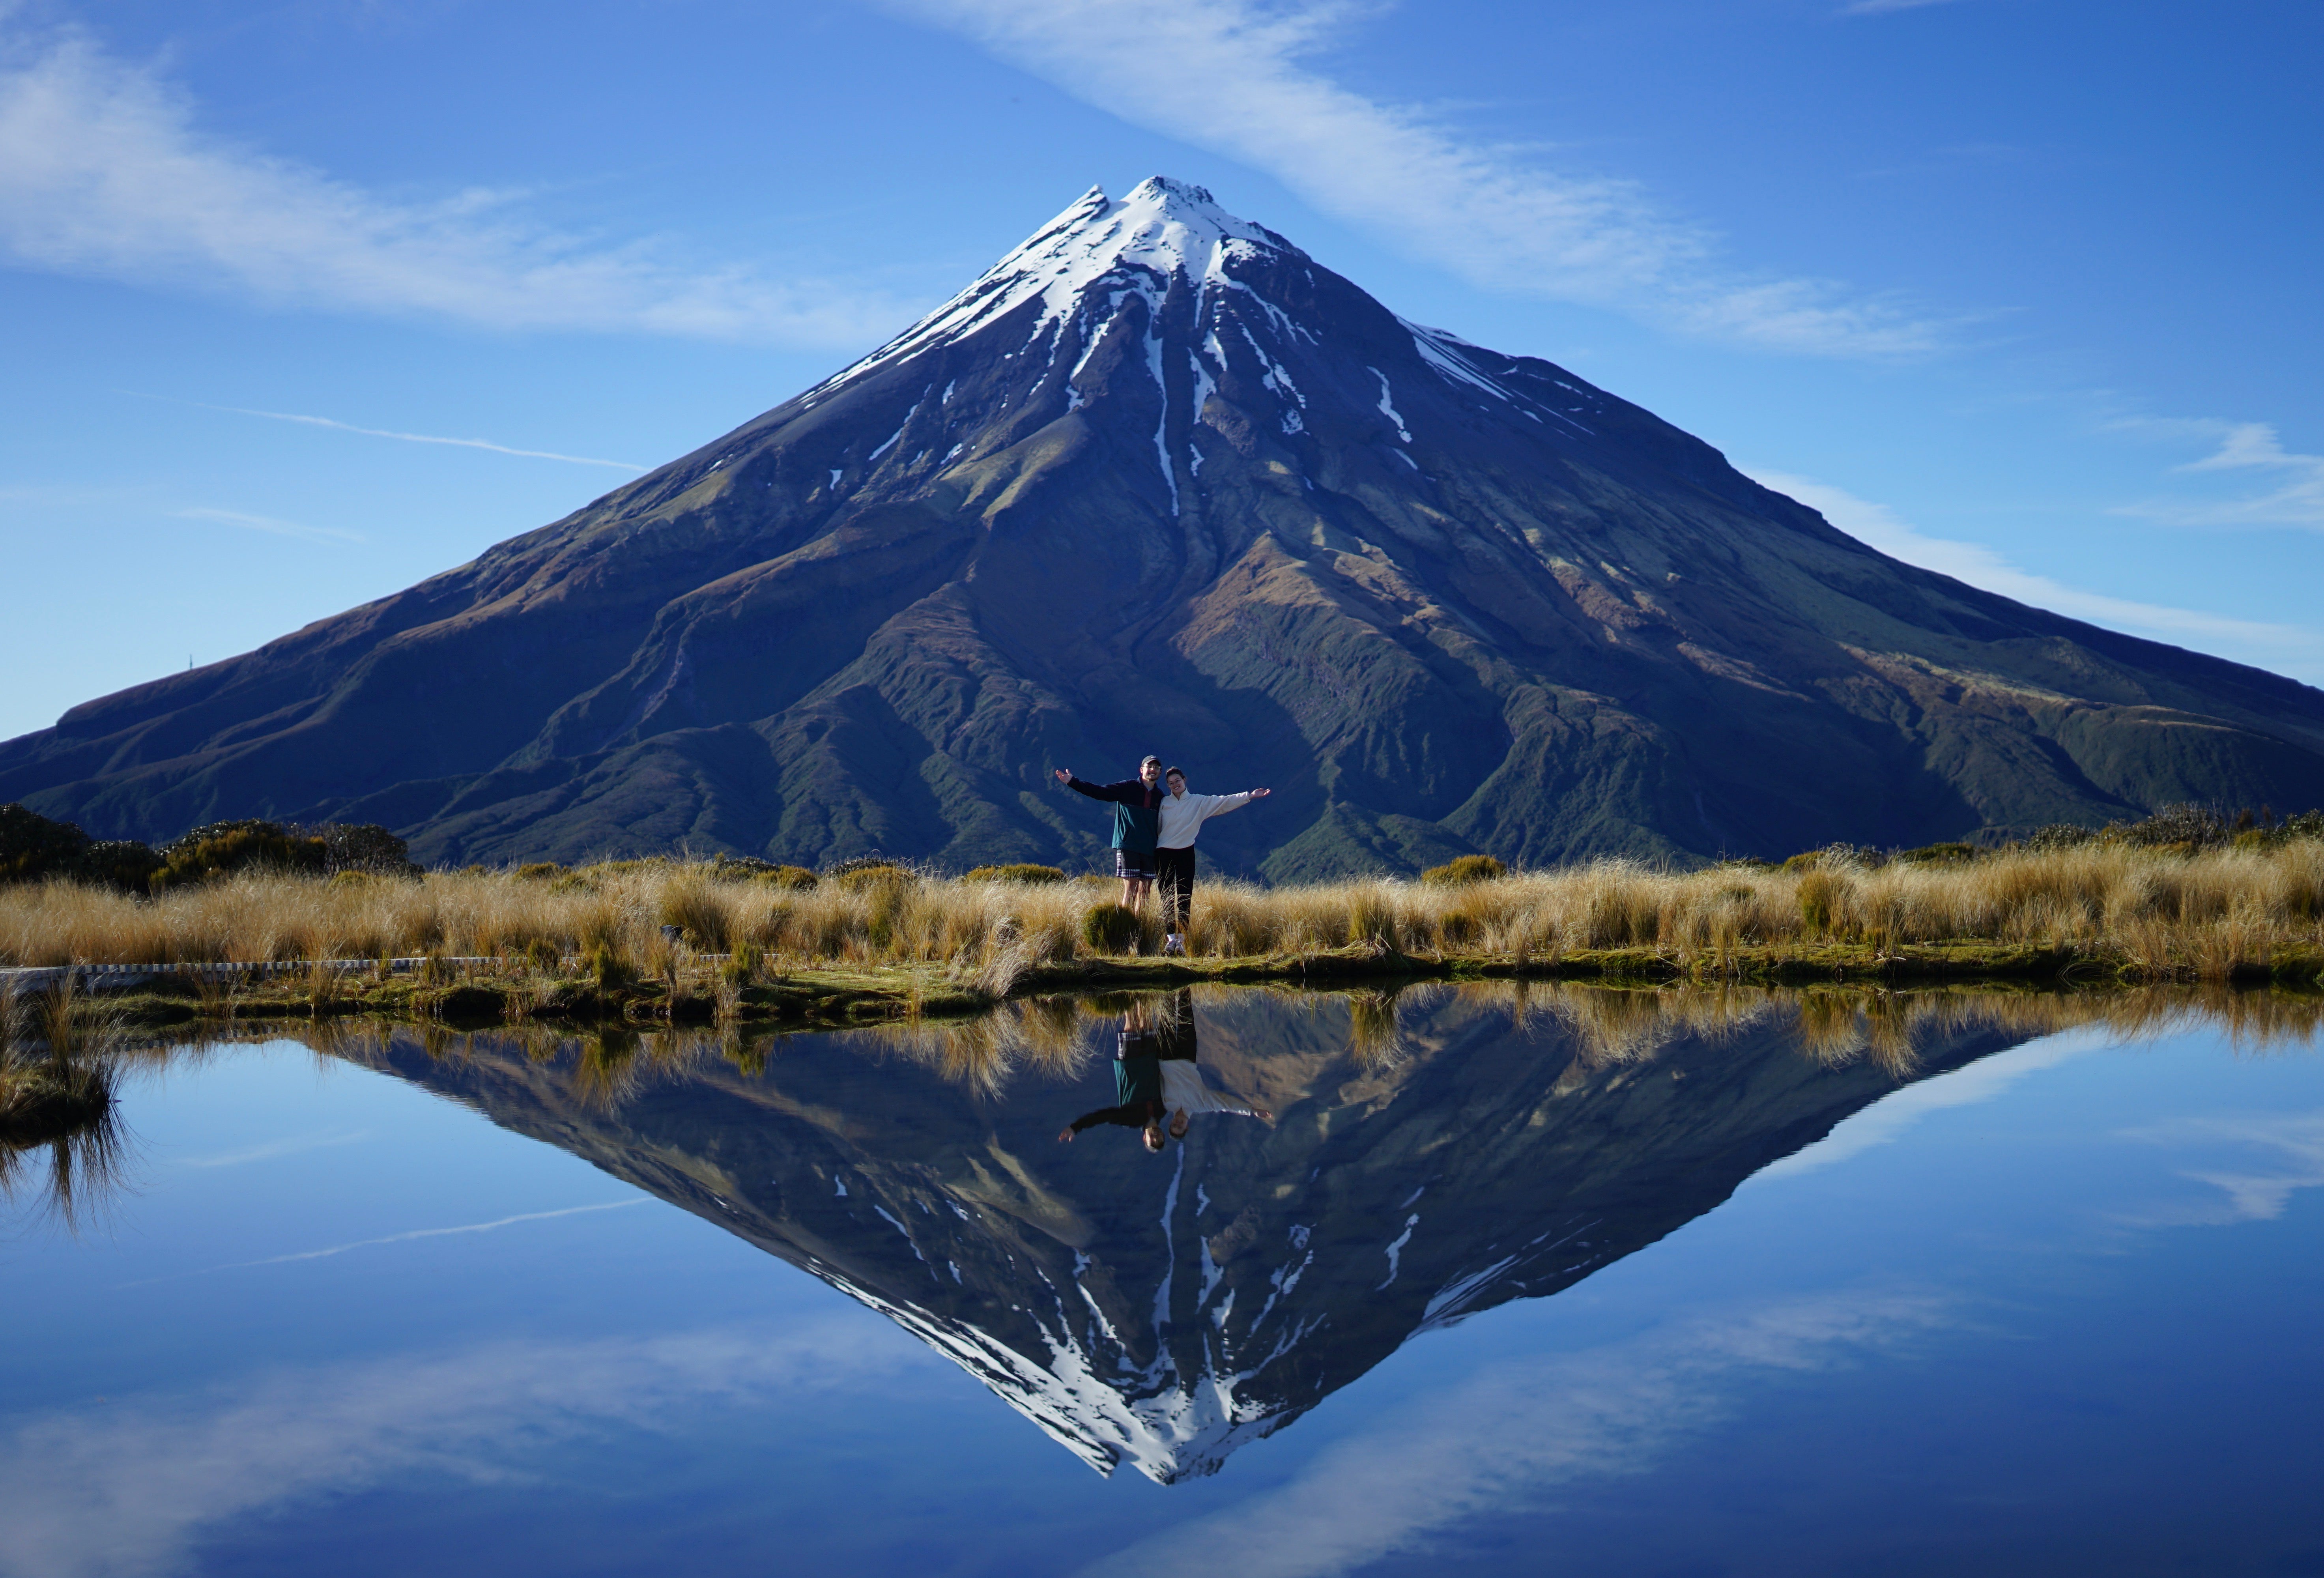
x,y
2167,915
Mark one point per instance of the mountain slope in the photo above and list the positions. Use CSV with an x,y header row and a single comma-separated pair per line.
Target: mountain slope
x,y
1158,481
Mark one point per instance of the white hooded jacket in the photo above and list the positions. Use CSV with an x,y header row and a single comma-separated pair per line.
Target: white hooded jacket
x,y
1182,815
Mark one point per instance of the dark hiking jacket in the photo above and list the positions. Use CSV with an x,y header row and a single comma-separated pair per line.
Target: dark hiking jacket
x,y
1136,811
1137,1085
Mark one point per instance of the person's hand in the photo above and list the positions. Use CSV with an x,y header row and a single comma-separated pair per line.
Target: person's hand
x,y
1260,794
1065,1135
1064,775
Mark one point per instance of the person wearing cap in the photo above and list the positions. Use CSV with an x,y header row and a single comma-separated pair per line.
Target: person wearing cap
x,y
1181,817
1136,821
1137,1083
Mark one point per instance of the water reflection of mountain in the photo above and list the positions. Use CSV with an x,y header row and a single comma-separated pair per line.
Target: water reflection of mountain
x,y
1164,1311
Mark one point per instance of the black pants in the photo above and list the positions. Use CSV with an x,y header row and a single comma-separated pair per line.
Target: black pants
x,y
1174,874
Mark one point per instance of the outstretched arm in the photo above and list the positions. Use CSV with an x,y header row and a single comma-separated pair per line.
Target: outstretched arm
x,y
1133,1117
1118,792
1221,804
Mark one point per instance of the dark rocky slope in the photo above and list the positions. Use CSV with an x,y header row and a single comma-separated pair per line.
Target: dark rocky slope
x,y
1159,481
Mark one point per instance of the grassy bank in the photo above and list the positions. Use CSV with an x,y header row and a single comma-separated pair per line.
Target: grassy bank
x,y
672,940
60,1054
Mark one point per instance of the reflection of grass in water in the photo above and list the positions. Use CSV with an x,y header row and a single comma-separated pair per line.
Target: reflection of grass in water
x,y
58,1058
1372,1029
1594,1026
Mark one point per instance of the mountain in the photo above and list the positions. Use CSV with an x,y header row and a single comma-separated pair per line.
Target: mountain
x,y
1159,481
1163,1311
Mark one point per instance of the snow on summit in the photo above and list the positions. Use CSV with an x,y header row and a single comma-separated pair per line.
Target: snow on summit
x,y
1163,226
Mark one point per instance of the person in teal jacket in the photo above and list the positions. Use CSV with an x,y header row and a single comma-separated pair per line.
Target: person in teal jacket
x,y
1137,824
1137,1083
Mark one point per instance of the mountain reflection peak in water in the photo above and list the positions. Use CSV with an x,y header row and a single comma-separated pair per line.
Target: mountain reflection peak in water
x,y
1434,1152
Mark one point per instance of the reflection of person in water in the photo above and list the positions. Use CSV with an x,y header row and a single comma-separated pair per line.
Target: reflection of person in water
x,y
1137,1083
1184,1092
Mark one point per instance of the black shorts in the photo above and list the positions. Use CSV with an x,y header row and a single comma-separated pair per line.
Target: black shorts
x,y
1134,865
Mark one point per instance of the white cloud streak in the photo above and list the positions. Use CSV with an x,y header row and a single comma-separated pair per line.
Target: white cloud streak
x,y
2293,1141
103,172
424,1233
128,1491
340,426
1230,76
1877,526
2241,447
1517,1430
1882,7
270,525
1894,1114
291,1145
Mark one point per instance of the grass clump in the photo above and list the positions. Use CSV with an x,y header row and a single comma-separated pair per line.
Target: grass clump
x,y
1468,868
1110,929
1018,871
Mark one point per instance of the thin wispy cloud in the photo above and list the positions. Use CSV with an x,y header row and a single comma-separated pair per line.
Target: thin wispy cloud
x,y
105,172
340,426
132,1489
1879,7
2295,496
1495,216
2290,648
1890,1117
2290,1157
270,525
463,1229
1519,1431
289,1145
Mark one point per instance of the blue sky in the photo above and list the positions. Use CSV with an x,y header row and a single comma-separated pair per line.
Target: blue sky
x,y
2018,290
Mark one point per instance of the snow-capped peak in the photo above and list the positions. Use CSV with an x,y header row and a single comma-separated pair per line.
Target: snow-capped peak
x,y
1163,226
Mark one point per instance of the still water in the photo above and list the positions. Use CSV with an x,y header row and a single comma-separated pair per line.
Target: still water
x,y
1566,1281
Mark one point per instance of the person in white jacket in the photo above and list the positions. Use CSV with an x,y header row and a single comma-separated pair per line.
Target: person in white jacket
x,y
1182,815
1184,1092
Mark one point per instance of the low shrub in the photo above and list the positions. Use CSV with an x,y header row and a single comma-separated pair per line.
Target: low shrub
x,y
1110,929
742,868
1021,872
122,865
32,847
220,849
359,846
1934,854
793,879
540,871
1837,855
871,874
1468,868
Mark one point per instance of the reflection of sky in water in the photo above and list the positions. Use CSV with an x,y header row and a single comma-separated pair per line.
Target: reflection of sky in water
x,y
2049,1312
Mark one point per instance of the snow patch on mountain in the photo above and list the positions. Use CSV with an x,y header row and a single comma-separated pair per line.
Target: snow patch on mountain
x,y
1162,227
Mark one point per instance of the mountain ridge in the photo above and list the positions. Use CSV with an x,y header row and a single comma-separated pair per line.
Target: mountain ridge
x,y
1158,481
